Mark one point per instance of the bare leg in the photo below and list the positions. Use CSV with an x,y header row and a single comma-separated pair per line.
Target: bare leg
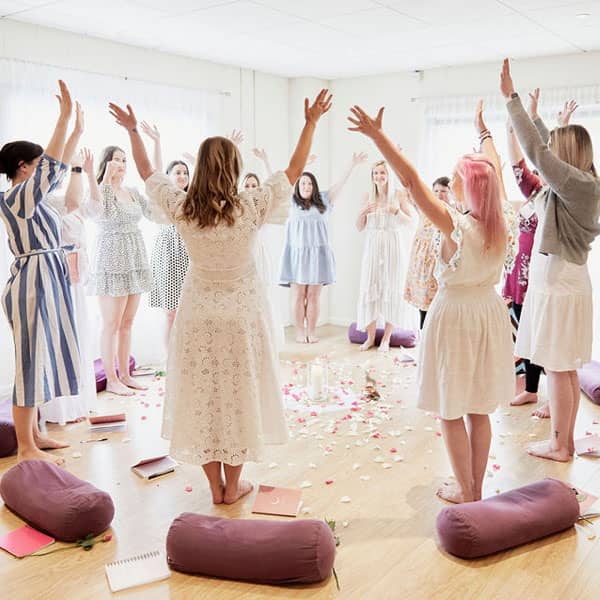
x,y
576,391
111,309
370,341
561,401
124,340
299,300
212,471
24,417
170,319
313,297
480,436
234,488
384,345
458,446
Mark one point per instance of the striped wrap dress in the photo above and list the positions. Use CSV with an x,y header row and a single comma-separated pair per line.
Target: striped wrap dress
x,y
37,298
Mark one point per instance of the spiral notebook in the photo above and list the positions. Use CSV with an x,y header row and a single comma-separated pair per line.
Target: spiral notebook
x,y
137,570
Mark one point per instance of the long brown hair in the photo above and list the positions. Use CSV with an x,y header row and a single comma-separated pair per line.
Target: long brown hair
x,y
573,144
213,194
107,156
315,200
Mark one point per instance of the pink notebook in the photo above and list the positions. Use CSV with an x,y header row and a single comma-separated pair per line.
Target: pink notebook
x,y
150,468
588,446
272,500
24,541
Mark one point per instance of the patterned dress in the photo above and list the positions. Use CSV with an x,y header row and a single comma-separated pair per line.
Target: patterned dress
x,y
170,262
37,297
223,398
120,266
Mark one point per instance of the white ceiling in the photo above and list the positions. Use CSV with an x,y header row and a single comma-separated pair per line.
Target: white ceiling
x,y
329,38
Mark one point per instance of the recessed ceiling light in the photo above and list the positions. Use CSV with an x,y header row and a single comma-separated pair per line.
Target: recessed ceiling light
x,y
583,15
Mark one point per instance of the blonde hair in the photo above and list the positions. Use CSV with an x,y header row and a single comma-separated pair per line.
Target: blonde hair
x,y
212,197
374,195
573,145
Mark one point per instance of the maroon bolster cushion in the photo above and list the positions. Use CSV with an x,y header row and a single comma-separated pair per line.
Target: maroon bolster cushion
x,y
55,501
101,374
510,519
589,381
401,338
8,437
260,551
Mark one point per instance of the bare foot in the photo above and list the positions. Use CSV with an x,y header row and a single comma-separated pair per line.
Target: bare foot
x,y
46,443
384,346
118,388
243,488
37,454
301,340
132,383
524,397
543,412
312,339
367,345
218,492
452,492
545,450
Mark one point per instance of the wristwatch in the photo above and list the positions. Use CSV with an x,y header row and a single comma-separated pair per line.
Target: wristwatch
x,y
76,169
514,95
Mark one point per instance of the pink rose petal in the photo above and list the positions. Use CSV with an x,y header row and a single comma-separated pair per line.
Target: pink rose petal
x,y
188,488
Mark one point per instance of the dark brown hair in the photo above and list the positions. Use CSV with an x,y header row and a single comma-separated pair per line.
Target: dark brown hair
x,y
15,153
315,200
107,156
443,181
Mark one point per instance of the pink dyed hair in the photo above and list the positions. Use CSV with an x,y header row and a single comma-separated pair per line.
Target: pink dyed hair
x,y
482,195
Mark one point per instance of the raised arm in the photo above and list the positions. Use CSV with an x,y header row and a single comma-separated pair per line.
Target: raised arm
x,y
87,164
261,154
334,191
74,191
312,113
73,140
433,208
56,146
154,134
128,120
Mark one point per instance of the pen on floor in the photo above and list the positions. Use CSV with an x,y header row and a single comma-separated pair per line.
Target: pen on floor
x,y
94,440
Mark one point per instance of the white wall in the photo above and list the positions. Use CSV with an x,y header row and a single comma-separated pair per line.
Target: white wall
x,y
403,94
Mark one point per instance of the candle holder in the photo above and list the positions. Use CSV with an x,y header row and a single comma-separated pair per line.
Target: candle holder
x,y
317,385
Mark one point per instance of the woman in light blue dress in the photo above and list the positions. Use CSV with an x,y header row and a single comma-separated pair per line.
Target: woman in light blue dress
x,y
308,263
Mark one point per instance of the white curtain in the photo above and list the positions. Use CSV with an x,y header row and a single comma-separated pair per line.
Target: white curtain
x,y
449,132
28,110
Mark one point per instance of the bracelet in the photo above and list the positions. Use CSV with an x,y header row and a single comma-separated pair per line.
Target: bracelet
x,y
484,133
76,169
485,137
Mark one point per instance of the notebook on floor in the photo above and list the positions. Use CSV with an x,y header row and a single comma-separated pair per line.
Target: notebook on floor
x,y
24,541
105,423
150,468
272,500
137,570
588,503
588,446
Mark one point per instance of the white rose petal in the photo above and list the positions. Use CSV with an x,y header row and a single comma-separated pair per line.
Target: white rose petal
x,y
345,499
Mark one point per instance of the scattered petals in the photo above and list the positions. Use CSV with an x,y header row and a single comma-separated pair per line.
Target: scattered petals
x,y
386,466
188,488
355,466
345,499
305,484
273,465
365,477
76,455
328,481
398,458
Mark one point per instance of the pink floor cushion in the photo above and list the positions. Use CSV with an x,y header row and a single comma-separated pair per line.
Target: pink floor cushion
x,y
101,375
261,551
401,338
55,501
8,437
507,520
589,381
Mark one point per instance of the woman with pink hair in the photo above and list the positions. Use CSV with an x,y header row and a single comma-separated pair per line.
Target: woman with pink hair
x,y
465,356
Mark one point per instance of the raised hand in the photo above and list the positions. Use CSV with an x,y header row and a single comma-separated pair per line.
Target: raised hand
x,y
311,159
124,118
260,153
322,103
189,157
64,100
564,116
237,137
358,158
79,119
365,124
87,161
534,99
150,130
479,122
506,83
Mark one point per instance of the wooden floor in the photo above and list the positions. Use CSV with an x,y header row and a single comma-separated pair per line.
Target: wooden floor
x,y
388,459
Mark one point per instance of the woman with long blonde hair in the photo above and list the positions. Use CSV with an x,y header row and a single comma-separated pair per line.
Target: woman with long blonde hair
x,y
555,330
386,217
465,354
223,400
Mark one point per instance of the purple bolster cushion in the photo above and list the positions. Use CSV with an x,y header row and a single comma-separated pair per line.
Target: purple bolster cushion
x,y
55,501
260,551
8,437
589,381
101,374
401,338
510,519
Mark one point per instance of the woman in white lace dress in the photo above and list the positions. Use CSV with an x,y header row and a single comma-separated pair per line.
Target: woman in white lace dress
x,y
223,391
386,217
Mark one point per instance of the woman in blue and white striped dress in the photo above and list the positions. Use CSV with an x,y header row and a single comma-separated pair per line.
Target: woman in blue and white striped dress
x,y
37,298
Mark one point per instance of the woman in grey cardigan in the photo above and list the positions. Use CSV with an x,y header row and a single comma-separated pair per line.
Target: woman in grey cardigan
x,y
556,321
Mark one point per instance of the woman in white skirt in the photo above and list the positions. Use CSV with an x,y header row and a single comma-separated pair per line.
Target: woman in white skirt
x,y
386,217
465,354
555,330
